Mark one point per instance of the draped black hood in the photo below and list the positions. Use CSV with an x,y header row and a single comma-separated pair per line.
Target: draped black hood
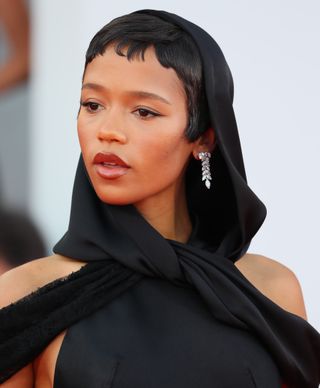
x,y
230,213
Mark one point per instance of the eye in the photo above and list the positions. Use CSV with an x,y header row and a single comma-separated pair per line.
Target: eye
x,y
91,106
146,113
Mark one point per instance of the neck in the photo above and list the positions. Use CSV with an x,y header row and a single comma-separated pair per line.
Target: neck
x,y
168,213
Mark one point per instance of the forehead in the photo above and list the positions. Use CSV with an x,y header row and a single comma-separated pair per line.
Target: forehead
x,y
113,70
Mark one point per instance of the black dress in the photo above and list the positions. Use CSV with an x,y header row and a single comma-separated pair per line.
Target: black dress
x,y
127,344
146,311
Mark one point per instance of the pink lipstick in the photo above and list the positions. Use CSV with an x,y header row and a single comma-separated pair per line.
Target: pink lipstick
x,y
109,166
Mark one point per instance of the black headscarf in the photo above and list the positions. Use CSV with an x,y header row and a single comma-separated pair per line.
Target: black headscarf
x,y
121,247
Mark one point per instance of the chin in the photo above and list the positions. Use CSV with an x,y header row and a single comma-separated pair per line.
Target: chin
x,y
111,193
116,195
126,194
113,199
120,196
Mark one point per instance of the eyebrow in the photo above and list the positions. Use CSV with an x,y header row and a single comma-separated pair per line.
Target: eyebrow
x,y
133,93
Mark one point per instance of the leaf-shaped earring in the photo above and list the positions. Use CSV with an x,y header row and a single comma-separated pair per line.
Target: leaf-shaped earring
x,y
205,161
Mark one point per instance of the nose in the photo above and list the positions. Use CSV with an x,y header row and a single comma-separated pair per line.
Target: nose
x,y
111,129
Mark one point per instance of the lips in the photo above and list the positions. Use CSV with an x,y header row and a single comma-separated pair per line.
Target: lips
x,y
109,166
109,159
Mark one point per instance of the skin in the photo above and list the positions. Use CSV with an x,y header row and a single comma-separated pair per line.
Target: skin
x,y
114,119
159,194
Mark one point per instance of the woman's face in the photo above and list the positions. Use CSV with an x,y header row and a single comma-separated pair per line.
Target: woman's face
x,y
136,110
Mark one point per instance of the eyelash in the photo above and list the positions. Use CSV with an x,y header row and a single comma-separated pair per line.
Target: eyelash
x,y
148,111
88,106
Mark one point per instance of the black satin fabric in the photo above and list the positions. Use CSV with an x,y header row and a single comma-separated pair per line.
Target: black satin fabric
x,y
127,258
127,344
122,233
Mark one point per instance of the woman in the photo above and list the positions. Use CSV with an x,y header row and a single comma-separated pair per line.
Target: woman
x,y
152,285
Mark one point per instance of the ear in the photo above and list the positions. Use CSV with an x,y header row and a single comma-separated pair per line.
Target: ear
x,y
206,142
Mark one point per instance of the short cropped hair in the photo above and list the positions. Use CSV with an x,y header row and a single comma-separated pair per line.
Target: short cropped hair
x,y
174,49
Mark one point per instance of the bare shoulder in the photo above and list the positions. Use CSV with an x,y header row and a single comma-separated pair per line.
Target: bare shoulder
x,y
23,280
275,280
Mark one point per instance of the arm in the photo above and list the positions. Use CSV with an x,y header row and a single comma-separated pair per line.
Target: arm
x,y
285,289
14,18
275,281
288,294
294,301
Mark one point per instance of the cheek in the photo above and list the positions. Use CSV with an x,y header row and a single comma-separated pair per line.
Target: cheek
x,y
164,158
164,149
157,154
80,131
85,136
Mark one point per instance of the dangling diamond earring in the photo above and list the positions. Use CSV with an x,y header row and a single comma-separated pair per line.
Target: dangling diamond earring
x,y
206,175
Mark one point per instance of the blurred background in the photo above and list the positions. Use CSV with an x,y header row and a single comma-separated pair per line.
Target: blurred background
x,y
273,52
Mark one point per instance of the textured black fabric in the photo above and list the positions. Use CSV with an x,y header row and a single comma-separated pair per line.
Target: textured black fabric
x,y
29,325
122,248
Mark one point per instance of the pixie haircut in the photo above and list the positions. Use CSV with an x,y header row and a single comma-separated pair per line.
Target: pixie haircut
x,y
174,48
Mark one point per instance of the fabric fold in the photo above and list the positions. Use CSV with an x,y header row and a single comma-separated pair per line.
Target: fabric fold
x,y
120,248
30,324
230,297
